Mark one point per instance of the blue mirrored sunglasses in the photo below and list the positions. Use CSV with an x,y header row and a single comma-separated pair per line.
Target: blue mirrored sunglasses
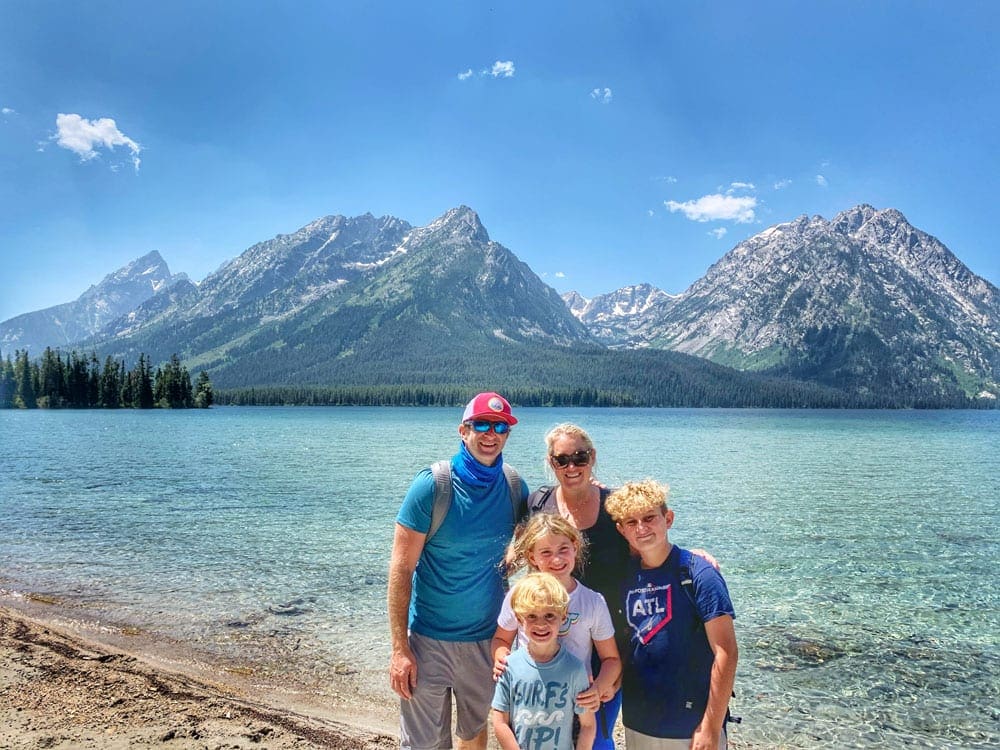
x,y
484,425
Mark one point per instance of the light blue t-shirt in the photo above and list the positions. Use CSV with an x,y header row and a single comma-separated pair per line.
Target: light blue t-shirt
x,y
458,585
541,698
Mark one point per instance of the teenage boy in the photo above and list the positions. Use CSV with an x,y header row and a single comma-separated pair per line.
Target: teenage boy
x,y
445,586
680,658
535,698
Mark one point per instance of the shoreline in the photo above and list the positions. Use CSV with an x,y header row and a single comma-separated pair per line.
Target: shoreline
x,y
67,684
61,687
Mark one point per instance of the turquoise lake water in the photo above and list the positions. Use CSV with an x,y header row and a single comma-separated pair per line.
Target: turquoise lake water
x,y
860,548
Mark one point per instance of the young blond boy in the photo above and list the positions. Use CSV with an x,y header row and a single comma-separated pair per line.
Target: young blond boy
x,y
535,698
679,663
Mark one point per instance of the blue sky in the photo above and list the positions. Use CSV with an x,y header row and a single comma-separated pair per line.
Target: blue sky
x,y
606,144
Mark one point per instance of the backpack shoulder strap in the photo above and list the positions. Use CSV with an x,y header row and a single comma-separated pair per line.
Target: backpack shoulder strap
x,y
442,496
539,497
687,583
514,485
687,576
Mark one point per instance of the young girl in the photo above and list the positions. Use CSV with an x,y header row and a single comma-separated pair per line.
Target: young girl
x,y
549,543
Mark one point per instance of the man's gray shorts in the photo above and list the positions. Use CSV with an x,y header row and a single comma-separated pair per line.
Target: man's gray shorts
x,y
444,669
638,741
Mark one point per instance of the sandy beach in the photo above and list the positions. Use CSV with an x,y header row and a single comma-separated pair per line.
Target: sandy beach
x,y
62,689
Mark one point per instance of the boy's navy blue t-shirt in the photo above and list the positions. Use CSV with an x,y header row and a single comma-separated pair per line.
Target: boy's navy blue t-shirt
x,y
667,663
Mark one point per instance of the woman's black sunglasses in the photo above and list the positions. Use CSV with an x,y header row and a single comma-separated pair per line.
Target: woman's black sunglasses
x,y
562,460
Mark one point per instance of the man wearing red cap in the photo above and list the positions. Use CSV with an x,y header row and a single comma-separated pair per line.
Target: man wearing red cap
x,y
445,589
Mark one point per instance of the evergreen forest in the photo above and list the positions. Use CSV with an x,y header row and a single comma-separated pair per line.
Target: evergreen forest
x,y
532,375
79,381
527,374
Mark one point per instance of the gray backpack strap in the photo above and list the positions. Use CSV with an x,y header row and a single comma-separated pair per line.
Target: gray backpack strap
x,y
442,496
514,485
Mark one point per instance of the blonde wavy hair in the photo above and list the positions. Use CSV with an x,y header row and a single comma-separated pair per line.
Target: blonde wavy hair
x,y
538,591
633,498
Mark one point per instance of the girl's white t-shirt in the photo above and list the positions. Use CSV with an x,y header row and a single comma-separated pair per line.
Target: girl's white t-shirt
x,y
588,620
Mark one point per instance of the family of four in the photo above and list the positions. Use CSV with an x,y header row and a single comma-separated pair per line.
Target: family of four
x,y
643,627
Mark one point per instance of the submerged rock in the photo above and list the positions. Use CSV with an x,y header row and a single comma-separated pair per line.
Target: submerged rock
x,y
813,651
785,652
294,607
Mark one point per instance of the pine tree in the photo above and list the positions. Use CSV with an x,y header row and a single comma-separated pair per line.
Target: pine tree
x,y
160,389
52,382
7,383
77,381
94,382
110,385
24,389
173,385
144,397
186,391
203,396
129,392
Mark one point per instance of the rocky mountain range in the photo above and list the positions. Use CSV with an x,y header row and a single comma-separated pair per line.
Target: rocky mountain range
x,y
863,304
117,294
340,291
864,300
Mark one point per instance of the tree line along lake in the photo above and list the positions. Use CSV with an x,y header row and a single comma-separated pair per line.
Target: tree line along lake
x,y
860,547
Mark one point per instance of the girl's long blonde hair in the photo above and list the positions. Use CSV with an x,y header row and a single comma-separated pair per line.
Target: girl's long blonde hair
x,y
527,534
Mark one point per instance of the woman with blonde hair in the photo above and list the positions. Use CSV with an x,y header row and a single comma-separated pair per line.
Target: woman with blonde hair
x,y
579,499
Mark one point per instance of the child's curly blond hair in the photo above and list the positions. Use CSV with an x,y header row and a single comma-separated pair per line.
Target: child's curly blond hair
x,y
633,498
538,591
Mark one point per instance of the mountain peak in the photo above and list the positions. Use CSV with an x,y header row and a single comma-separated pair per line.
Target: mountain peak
x,y
149,263
116,294
461,221
852,220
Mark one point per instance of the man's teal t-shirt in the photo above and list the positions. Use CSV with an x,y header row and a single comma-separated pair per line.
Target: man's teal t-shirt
x,y
458,585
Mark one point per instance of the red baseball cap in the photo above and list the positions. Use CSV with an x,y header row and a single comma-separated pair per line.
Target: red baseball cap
x,y
489,405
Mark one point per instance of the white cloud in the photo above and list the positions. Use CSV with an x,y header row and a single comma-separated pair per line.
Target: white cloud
x,y
83,137
821,180
502,69
782,184
651,212
742,186
719,233
601,95
7,111
466,75
560,275
717,207
669,178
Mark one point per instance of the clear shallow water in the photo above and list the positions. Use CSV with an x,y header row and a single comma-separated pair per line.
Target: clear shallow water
x,y
860,547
